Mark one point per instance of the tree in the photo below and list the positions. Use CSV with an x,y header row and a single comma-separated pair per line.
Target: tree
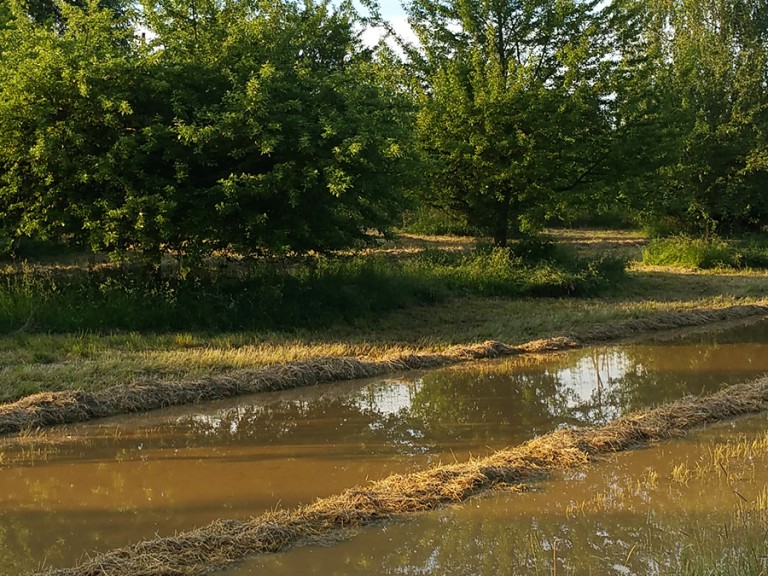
x,y
244,126
64,99
304,146
721,65
515,112
709,62
51,12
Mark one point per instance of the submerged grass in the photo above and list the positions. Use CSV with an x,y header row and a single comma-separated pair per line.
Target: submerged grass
x,y
723,482
328,519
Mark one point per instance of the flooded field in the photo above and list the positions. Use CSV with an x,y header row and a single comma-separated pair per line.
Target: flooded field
x,y
77,489
685,507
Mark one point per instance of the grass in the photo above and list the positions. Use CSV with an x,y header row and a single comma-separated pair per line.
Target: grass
x,y
699,253
301,293
468,301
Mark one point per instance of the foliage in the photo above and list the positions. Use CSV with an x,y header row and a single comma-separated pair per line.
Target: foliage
x,y
249,128
704,88
512,111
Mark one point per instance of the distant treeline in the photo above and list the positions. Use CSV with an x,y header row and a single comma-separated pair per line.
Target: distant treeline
x,y
267,127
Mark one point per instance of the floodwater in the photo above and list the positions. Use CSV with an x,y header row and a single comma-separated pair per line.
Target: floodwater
x,y
687,506
76,490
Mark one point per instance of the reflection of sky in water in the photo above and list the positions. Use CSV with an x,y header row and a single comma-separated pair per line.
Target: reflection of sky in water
x,y
389,397
595,371
384,398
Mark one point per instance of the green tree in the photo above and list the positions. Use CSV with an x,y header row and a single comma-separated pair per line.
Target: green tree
x,y
64,100
51,12
709,62
305,145
514,114
6,15
241,126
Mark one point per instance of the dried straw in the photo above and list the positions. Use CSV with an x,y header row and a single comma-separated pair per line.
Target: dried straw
x,y
51,408
328,519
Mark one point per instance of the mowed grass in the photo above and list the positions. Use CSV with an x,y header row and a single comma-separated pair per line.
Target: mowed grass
x,y
35,360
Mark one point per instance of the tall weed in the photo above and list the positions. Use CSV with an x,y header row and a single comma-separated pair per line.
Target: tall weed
x,y
311,292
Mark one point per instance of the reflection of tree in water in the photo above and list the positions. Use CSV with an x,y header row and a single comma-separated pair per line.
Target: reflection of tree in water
x,y
502,401
590,386
471,402
671,372
354,419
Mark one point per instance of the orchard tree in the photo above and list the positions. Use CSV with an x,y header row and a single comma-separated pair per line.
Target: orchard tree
x,y
515,113
298,141
719,49
64,102
701,153
51,12
245,126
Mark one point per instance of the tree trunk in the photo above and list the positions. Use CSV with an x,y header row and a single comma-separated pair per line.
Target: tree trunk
x,y
501,226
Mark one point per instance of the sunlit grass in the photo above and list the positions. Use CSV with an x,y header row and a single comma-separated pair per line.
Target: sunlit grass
x,y
32,361
712,253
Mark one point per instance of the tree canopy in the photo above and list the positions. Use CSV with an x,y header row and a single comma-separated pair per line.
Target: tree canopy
x,y
241,126
266,126
514,108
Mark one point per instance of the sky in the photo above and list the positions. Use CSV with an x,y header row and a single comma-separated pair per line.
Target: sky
x,y
393,11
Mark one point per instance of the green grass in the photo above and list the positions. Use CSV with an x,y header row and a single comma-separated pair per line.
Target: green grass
x,y
66,328
698,253
308,293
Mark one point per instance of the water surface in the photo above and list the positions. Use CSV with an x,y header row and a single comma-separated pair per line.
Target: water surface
x,y
645,512
85,488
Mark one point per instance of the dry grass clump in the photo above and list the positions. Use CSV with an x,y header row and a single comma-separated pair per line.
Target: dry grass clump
x,y
51,408
326,520
669,321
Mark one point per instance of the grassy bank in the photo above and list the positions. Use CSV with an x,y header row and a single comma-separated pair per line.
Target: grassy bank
x,y
458,308
306,292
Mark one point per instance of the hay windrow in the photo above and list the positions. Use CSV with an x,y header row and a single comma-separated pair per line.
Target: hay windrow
x,y
326,520
52,408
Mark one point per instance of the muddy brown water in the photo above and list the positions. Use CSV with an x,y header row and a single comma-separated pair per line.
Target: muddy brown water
x,y
646,512
75,490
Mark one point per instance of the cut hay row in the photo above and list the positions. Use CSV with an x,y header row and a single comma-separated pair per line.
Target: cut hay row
x,y
52,408
668,321
328,519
